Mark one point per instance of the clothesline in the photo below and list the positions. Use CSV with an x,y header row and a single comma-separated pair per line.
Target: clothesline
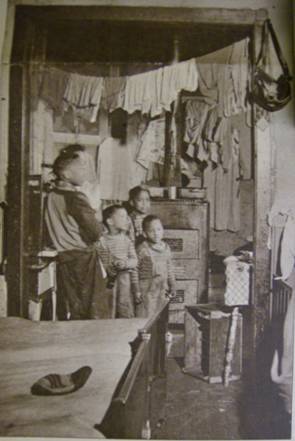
x,y
154,91
150,92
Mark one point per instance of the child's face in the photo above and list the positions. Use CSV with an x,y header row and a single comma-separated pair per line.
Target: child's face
x,y
154,232
142,202
119,220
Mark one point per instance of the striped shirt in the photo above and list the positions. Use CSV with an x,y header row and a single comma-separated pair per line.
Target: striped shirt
x,y
119,248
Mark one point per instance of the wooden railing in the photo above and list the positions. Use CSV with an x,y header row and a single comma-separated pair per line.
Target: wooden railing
x,y
129,415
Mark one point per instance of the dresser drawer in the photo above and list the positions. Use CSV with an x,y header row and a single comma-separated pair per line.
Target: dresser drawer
x,y
183,243
186,269
186,294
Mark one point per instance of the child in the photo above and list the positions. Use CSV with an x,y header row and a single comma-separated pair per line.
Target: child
x,y
155,269
139,201
120,261
74,229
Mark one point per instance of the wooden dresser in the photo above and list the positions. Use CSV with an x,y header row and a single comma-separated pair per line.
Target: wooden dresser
x,y
186,224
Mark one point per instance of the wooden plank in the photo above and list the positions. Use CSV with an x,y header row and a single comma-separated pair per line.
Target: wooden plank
x,y
263,198
144,14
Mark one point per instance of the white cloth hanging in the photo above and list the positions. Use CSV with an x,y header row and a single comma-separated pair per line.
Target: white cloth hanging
x,y
287,258
114,169
83,95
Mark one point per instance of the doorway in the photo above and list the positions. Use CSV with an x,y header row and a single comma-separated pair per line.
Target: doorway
x,y
67,39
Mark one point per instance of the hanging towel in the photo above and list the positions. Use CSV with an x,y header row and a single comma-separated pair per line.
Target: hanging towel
x,y
83,94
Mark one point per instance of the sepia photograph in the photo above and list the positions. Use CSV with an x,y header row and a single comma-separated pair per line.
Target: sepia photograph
x,y
147,213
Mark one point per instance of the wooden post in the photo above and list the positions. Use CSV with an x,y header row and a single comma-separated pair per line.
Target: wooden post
x,y
172,171
263,197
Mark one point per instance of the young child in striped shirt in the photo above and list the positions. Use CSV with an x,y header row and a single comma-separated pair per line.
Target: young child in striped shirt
x,y
119,259
155,268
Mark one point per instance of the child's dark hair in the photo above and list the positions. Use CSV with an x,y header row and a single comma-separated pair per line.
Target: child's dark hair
x,y
109,211
66,156
135,192
148,220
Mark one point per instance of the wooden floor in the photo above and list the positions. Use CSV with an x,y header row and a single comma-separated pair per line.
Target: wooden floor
x,y
196,410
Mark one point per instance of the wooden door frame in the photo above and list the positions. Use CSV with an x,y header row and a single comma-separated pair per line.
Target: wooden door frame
x,y
19,135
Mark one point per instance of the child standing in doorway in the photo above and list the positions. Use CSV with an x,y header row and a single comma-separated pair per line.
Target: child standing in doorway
x,y
140,204
120,261
155,269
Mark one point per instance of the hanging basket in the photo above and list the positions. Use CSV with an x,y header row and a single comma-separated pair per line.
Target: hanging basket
x,y
269,93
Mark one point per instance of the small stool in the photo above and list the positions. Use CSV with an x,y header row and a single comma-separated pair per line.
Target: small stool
x,y
46,284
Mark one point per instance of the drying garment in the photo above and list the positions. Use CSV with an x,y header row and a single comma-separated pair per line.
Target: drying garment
x,y
208,78
218,130
233,80
223,190
114,170
153,92
152,148
53,87
83,95
41,151
178,77
136,126
156,276
240,122
195,117
143,92
113,94
288,248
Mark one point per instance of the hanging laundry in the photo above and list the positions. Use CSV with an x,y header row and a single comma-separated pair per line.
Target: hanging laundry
x,y
41,129
195,117
152,148
114,169
223,189
136,126
113,94
208,77
53,86
83,95
287,258
178,77
143,92
154,91
240,73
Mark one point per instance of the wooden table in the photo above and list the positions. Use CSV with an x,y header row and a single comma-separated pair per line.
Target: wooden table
x,y
30,350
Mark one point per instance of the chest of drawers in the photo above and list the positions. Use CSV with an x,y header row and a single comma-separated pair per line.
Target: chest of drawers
x,y
186,224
